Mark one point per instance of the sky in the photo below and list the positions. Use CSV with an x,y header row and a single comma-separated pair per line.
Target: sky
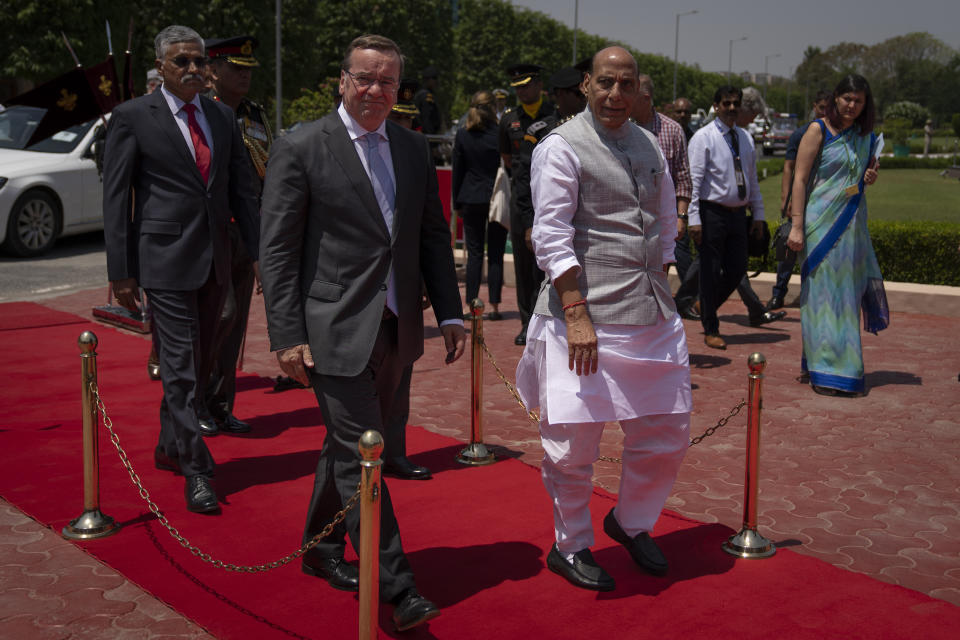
x,y
772,27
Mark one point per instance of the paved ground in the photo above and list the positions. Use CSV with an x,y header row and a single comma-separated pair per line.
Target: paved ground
x,y
871,485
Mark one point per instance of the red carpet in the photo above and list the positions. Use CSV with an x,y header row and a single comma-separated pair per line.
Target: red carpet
x,y
476,537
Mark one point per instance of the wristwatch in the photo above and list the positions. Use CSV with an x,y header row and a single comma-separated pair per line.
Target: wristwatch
x,y
682,216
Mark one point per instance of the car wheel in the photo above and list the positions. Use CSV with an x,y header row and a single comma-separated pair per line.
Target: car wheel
x,y
34,224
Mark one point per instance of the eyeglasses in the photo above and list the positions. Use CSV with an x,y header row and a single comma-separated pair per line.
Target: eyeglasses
x,y
681,110
364,81
183,62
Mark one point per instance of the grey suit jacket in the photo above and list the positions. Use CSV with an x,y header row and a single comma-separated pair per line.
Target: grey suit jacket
x,y
326,252
162,224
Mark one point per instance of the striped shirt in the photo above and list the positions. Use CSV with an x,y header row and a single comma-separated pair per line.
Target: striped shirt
x,y
674,145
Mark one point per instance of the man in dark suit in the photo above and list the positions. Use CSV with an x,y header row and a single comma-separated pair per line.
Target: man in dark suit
x,y
175,169
351,223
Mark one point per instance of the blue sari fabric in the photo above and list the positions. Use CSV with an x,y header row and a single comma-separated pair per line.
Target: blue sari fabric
x,y
840,275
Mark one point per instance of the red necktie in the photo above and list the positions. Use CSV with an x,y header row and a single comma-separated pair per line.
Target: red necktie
x,y
200,148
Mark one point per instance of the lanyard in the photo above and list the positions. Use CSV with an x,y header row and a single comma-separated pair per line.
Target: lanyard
x,y
736,156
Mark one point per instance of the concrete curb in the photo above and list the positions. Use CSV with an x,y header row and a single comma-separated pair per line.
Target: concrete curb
x,y
931,299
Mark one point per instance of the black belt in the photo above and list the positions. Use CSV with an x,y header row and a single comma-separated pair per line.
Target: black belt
x,y
711,203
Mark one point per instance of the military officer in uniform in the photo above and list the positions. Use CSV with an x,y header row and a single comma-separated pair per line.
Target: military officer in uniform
x,y
431,120
231,65
531,116
500,101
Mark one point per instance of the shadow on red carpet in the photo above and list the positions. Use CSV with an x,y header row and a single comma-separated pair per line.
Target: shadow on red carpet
x,y
476,537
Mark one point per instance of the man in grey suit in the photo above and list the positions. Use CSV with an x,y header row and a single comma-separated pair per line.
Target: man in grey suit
x,y
175,170
351,222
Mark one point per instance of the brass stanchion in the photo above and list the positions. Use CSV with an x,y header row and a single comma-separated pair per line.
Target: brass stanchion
x,y
748,543
91,523
476,453
371,446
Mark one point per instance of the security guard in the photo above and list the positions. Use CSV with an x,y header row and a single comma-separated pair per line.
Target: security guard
x,y
231,65
431,120
532,115
500,101
405,111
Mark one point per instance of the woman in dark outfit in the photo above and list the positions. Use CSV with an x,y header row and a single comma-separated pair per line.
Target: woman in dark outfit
x,y
476,158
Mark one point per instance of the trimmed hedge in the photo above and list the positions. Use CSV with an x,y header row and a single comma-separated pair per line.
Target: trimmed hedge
x,y
918,252
913,162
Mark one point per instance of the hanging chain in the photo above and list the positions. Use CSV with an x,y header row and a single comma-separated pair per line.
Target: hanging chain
x,y
199,553
512,388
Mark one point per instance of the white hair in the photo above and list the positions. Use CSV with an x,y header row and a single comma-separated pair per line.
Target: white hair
x,y
173,34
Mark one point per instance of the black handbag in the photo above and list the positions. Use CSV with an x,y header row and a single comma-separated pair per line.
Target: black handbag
x,y
780,249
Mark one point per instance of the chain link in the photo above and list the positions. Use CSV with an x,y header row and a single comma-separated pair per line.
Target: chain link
x,y
536,418
196,551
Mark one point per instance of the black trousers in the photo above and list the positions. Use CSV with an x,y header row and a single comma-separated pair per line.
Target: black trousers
x,y
476,230
395,427
723,259
350,405
528,275
221,387
184,323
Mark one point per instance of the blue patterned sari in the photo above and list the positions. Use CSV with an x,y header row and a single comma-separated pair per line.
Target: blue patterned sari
x,y
840,274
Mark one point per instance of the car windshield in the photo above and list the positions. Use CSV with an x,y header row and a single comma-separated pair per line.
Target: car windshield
x,y
18,123
785,124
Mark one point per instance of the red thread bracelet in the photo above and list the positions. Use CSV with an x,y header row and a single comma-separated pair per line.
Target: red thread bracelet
x,y
574,304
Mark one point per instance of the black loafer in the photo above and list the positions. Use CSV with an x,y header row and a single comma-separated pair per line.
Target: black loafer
x,y
689,313
201,498
338,573
164,462
404,469
583,572
521,338
208,427
153,370
776,302
412,610
232,425
642,548
767,318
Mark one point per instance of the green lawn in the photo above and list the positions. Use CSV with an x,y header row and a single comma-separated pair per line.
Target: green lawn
x,y
899,194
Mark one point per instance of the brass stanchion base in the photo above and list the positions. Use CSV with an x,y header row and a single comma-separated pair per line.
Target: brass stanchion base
x,y
91,524
749,544
476,454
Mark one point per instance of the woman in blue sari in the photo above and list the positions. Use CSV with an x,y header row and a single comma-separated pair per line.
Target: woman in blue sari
x,y
840,274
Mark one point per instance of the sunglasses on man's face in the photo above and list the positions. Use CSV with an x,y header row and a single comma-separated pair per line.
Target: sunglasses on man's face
x,y
183,62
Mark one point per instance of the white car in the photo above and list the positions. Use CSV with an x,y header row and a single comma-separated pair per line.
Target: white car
x,y
48,190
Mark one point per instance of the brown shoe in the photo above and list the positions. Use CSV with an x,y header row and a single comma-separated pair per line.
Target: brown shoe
x,y
714,341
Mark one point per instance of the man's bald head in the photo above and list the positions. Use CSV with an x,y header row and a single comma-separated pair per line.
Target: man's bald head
x,y
611,86
616,53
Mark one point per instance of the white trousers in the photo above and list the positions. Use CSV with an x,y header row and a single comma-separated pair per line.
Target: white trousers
x,y
653,448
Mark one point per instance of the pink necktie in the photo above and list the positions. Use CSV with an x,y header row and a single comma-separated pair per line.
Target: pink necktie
x,y
200,148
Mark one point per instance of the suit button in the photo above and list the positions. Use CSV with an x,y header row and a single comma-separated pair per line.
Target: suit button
x,y
383,287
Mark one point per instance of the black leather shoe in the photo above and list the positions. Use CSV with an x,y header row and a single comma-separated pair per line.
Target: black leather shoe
x,y
153,370
403,468
164,462
232,425
338,573
689,313
201,498
208,427
642,548
776,302
413,609
521,338
767,318
583,572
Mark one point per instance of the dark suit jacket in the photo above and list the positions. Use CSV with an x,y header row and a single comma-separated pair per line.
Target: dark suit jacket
x,y
162,225
326,252
476,159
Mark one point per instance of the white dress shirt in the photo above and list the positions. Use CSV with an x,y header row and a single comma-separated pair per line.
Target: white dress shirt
x,y
643,370
180,117
712,172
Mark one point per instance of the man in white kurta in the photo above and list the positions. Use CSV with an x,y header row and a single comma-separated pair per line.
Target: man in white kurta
x,y
605,343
